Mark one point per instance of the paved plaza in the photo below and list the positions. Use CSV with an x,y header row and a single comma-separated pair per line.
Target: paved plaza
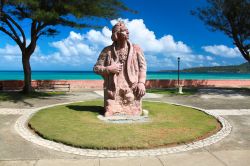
x,y
233,150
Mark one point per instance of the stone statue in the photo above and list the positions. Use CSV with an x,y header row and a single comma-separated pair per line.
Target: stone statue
x,y
123,67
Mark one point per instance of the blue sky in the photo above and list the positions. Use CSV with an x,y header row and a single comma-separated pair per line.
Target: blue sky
x,y
163,28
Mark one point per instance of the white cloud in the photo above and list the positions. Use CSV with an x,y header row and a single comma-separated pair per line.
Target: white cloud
x,y
165,46
209,58
200,57
141,35
215,64
161,63
86,47
83,49
10,50
99,38
222,50
73,45
10,57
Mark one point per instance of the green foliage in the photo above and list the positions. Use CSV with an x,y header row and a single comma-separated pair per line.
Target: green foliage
x,y
62,12
77,125
231,17
56,11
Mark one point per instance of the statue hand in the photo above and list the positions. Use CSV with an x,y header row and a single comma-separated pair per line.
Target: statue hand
x,y
140,90
115,68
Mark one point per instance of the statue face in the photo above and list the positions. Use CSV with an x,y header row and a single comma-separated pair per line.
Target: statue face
x,y
120,32
123,34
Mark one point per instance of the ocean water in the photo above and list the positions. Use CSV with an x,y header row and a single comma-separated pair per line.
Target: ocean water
x,y
89,75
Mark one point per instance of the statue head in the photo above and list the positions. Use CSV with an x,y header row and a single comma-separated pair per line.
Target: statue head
x,y
119,29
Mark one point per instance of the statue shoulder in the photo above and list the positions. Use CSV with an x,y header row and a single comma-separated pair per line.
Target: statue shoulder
x,y
104,53
137,48
106,49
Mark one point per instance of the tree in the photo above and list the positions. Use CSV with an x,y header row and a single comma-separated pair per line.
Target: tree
x,y
44,16
231,17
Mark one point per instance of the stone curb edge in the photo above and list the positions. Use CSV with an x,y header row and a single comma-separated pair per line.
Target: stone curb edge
x,y
22,129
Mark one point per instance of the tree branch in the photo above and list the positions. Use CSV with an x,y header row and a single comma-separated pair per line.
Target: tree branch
x,y
1,6
10,35
247,47
41,26
32,45
40,34
18,27
13,31
237,39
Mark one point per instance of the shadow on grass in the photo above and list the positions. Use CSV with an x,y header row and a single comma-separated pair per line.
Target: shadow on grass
x,y
87,108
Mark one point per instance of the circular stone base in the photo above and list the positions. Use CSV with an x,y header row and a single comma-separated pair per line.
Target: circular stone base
x,y
126,118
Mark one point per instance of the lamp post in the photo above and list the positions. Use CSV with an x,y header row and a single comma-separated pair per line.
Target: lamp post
x,y
179,86
178,71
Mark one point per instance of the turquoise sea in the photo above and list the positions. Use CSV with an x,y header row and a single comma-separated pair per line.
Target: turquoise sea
x,y
89,75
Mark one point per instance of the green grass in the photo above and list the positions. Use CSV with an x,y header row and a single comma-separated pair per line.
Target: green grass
x,y
77,125
15,96
174,91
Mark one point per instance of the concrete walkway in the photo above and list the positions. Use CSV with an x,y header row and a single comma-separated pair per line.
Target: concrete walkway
x,y
233,150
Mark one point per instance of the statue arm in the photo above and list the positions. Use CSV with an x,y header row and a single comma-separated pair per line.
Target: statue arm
x,y
140,86
100,67
142,67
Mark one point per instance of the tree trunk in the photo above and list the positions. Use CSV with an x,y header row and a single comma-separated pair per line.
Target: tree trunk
x,y
244,51
27,74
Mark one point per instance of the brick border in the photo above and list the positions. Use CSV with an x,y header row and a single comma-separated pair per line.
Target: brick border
x,y
78,85
22,129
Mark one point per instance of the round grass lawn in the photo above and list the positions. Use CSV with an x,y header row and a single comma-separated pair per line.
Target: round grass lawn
x,y
77,125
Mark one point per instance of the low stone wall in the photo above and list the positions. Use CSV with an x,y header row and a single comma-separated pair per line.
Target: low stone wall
x,y
77,85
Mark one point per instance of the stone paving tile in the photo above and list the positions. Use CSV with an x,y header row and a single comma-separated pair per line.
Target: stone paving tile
x,y
11,111
30,103
217,96
62,162
230,111
191,159
140,161
234,158
18,163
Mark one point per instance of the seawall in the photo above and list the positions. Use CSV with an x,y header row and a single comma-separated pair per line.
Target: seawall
x,y
77,85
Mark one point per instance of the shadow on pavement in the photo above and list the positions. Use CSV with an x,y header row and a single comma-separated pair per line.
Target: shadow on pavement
x,y
17,96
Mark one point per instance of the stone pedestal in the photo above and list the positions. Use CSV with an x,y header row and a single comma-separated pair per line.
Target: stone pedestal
x,y
122,107
126,118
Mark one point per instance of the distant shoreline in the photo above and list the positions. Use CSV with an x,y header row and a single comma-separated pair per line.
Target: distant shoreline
x,y
242,68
